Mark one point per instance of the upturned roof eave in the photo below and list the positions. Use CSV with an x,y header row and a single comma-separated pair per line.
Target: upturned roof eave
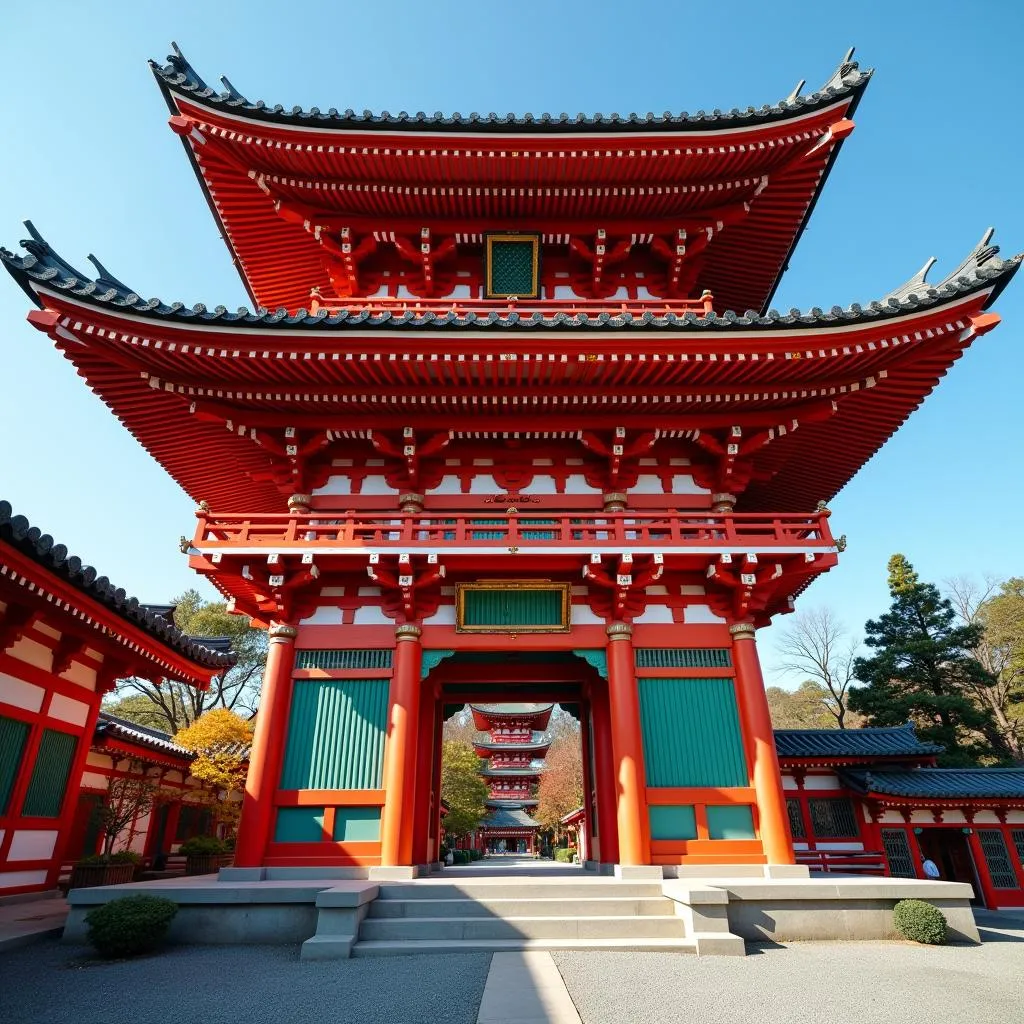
x,y
178,78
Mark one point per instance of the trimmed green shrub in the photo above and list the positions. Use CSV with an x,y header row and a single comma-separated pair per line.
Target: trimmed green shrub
x,y
122,857
460,856
920,922
129,926
564,855
203,846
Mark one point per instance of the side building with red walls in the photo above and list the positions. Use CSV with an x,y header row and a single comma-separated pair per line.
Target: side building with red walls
x,y
66,635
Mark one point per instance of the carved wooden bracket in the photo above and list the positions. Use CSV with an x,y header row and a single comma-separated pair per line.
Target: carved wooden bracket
x,y
411,588
621,595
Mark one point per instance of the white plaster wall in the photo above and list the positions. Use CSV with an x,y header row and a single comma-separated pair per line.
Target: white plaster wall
x,y
1015,817
986,818
444,616
20,694
98,760
93,780
32,844
683,483
789,783
696,614
46,630
581,615
67,710
576,483
891,817
138,843
822,782
921,817
647,483
840,847
954,817
371,616
484,484
17,879
655,613
32,652
81,675
448,485
326,616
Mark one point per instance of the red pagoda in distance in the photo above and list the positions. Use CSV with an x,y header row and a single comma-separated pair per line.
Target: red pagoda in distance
x,y
511,420
516,744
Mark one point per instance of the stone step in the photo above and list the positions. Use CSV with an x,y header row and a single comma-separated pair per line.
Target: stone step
x,y
518,890
595,906
485,928
405,948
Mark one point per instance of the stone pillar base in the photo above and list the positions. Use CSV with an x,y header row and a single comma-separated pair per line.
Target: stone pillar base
x,y
787,871
241,874
639,872
400,873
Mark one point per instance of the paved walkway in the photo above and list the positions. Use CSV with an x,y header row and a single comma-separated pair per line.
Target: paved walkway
x,y
22,923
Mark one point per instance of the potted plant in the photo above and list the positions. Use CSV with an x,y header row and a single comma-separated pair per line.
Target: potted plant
x,y
128,798
105,869
203,854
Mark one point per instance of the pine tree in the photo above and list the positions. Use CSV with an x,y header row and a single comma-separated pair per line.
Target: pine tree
x,y
923,670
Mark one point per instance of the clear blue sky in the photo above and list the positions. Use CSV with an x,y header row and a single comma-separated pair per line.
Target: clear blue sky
x,y
936,157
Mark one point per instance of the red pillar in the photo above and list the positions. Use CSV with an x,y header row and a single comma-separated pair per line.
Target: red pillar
x,y
400,761
627,747
757,728
255,828
604,782
588,781
424,778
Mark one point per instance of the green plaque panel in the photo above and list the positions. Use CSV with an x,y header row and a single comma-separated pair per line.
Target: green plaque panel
x,y
730,821
357,824
673,822
512,264
299,825
13,735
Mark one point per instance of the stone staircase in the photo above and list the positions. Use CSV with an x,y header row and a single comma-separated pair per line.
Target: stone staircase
x,y
438,916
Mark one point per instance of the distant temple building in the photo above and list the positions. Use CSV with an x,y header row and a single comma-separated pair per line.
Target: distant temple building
x,y
510,418
516,746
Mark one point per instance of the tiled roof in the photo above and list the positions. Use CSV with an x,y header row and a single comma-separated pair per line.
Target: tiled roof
x,y
29,540
120,728
508,817
940,783
180,77
108,725
982,269
522,710
512,803
839,743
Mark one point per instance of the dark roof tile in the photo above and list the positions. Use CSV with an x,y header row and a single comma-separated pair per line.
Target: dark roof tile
x,y
839,743
42,266
29,540
179,77
940,783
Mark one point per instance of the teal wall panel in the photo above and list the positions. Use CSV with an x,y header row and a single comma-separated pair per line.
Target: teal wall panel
x,y
357,824
13,735
49,779
679,822
683,657
730,821
691,733
336,734
299,825
512,607
371,658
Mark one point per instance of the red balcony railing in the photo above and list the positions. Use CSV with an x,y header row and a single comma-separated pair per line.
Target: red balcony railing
x,y
843,862
526,307
328,530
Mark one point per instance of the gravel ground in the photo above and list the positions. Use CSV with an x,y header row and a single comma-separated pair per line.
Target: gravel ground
x,y
53,984
803,983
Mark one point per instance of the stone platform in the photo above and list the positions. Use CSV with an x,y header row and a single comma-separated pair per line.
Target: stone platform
x,y
532,906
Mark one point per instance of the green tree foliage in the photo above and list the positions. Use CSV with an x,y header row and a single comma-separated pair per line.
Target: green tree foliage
x,y
462,788
807,707
177,704
924,670
999,609
137,708
561,784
